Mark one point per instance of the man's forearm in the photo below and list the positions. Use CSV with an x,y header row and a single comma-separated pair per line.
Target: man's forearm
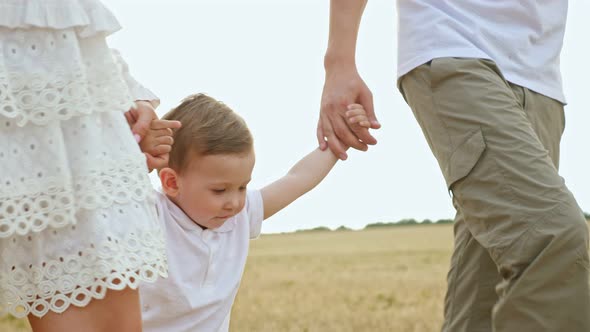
x,y
345,19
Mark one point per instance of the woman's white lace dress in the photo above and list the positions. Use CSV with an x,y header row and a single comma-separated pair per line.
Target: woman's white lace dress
x,y
76,208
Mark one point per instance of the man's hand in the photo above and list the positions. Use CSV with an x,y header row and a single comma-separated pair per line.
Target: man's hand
x,y
343,87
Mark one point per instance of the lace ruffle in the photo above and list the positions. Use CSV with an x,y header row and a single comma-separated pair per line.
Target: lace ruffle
x,y
88,17
63,78
83,274
36,204
76,205
48,98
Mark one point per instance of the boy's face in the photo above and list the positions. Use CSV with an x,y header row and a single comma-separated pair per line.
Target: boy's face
x,y
213,188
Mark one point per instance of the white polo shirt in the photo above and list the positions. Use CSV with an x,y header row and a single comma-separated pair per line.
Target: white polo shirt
x,y
523,37
204,269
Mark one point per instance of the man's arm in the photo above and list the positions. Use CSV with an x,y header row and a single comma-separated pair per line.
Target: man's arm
x,y
343,85
345,19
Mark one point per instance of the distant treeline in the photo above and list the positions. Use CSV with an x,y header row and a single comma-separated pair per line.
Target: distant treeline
x,y
406,222
403,222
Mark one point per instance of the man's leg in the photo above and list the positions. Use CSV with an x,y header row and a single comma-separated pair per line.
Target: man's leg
x,y
546,117
473,274
507,188
471,280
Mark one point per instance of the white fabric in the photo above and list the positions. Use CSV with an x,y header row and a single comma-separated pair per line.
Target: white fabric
x,y
88,17
523,37
77,209
137,91
205,268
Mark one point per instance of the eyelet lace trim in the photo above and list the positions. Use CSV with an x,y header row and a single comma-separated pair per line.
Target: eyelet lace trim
x,y
76,279
41,98
34,205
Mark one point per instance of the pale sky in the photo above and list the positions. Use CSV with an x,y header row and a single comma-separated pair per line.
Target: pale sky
x,y
265,60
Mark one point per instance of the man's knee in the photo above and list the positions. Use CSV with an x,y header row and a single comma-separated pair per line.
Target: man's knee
x,y
570,228
560,239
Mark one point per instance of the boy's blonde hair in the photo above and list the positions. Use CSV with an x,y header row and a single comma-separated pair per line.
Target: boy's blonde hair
x,y
209,127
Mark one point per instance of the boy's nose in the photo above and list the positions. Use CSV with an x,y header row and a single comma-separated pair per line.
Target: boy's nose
x,y
233,203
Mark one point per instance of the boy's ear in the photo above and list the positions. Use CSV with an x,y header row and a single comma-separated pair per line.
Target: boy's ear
x,y
169,180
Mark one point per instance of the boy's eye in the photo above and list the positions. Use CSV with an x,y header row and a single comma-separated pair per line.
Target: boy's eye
x,y
242,188
218,191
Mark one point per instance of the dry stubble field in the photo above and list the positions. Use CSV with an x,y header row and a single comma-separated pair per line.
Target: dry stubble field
x,y
387,279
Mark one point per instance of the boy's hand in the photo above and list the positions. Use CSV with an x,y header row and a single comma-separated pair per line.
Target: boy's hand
x,y
154,136
357,117
157,143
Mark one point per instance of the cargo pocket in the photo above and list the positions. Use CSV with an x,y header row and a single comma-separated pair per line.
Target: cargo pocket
x,y
464,158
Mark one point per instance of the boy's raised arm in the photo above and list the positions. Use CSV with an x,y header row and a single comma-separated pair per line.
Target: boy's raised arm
x,y
307,172
301,178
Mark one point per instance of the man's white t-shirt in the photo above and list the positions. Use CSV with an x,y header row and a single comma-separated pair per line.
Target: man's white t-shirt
x,y
204,269
523,37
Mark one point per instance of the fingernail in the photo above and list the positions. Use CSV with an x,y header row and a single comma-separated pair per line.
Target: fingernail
x,y
343,156
137,138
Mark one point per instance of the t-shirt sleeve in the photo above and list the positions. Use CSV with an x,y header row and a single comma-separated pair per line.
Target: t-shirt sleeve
x,y
255,212
136,89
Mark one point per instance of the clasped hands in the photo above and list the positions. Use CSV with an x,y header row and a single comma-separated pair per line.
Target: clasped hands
x,y
346,113
154,136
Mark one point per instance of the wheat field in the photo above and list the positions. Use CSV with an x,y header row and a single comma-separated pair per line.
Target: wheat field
x,y
382,279
386,279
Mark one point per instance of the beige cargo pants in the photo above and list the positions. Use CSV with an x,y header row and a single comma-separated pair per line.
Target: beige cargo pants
x,y
520,261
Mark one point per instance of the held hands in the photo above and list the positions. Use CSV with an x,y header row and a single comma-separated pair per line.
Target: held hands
x,y
153,135
157,143
357,117
140,118
343,87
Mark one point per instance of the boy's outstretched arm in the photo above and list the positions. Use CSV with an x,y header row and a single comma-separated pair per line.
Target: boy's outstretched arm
x,y
301,178
307,172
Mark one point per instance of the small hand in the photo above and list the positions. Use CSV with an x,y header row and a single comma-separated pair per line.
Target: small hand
x,y
357,117
157,143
